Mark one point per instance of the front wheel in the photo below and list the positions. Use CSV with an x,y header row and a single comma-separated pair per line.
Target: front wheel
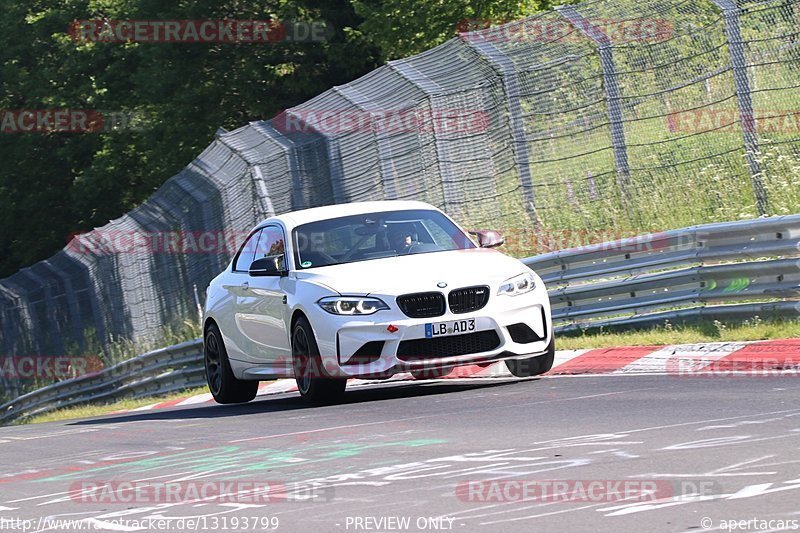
x,y
533,366
315,386
224,386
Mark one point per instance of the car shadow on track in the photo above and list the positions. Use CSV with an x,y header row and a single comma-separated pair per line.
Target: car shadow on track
x,y
291,401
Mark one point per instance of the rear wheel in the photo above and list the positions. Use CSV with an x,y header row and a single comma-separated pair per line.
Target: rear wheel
x,y
315,386
221,382
533,366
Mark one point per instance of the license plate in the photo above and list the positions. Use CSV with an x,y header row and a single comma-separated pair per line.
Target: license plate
x,y
455,327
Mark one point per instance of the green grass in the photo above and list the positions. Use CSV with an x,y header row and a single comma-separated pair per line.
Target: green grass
x,y
117,351
95,410
682,172
715,331
123,349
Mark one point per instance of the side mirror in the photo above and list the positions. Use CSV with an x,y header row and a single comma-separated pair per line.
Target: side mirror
x,y
271,265
488,238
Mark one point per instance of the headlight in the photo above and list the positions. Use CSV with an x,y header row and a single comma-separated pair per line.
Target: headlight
x,y
352,305
518,285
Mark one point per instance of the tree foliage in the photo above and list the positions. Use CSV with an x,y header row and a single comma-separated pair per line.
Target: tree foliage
x,y
401,28
56,184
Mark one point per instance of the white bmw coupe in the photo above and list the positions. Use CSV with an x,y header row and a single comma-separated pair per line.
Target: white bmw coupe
x,y
369,290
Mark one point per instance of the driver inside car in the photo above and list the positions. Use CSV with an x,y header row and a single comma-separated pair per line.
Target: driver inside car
x,y
401,240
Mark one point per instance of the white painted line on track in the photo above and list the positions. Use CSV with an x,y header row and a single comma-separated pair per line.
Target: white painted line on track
x,y
264,437
200,398
682,358
144,407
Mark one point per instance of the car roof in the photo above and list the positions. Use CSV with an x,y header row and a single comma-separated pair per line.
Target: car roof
x,y
297,218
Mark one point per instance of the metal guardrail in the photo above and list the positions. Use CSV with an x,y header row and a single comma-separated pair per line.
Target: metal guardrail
x,y
731,270
721,271
161,371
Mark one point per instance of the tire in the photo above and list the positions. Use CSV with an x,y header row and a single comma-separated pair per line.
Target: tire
x,y
224,386
313,383
533,366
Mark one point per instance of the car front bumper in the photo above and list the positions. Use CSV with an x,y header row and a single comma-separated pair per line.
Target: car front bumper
x,y
389,342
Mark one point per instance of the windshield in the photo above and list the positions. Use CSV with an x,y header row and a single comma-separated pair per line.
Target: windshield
x,y
376,236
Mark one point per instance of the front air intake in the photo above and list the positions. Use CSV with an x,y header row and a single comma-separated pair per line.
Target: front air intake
x,y
368,353
453,345
522,333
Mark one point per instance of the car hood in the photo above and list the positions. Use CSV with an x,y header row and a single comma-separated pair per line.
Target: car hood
x,y
417,273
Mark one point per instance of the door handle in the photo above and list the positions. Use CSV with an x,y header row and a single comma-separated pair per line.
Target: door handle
x,y
245,285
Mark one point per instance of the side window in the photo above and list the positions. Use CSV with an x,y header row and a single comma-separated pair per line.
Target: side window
x,y
247,253
270,243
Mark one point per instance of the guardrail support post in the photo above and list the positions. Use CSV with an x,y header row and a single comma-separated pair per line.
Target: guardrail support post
x,y
741,81
613,98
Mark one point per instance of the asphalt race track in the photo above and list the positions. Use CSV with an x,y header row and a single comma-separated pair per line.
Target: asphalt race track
x,y
566,453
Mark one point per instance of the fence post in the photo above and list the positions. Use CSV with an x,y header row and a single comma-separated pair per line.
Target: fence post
x,y
93,290
75,320
6,327
384,150
613,98
332,153
289,148
451,196
261,198
12,344
198,305
733,32
54,338
507,71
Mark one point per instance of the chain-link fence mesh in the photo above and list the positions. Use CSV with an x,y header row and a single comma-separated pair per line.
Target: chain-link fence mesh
x,y
624,115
